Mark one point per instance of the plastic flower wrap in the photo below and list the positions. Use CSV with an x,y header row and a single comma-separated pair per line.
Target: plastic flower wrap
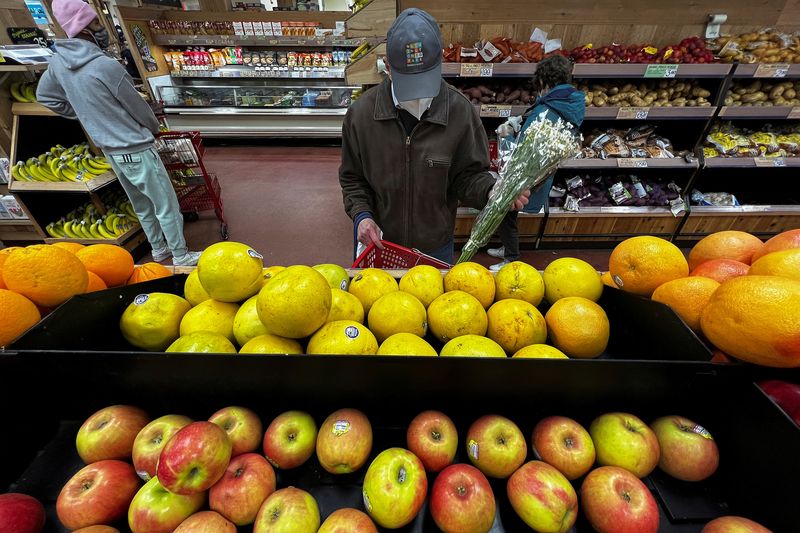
x,y
522,166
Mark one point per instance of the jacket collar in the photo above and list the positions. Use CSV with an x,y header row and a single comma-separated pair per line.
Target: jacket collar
x,y
386,110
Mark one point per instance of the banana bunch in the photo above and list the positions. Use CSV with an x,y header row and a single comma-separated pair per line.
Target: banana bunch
x,y
61,164
24,92
360,51
88,222
358,4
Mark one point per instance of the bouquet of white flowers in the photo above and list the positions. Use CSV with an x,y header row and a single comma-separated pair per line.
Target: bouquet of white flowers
x,y
526,166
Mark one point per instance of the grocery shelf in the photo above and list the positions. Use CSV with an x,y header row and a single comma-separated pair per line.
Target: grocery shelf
x,y
64,186
746,210
638,70
31,109
119,241
15,222
487,70
650,113
500,110
617,211
231,71
676,162
238,40
759,70
760,112
752,162
38,67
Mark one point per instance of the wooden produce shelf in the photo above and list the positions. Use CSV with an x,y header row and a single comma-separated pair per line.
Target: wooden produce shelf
x,y
759,70
364,70
126,237
752,162
38,67
652,113
31,109
639,70
609,223
760,112
89,185
500,110
238,40
239,72
760,220
15,222
616,162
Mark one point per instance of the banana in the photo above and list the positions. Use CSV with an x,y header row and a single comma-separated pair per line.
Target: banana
x,y
50,229
33,171
71,233
109,222
29,91
68,173
84,229
93,162
130,211
101,228
359,51
95,233
19,172
16,92
89,169
119,226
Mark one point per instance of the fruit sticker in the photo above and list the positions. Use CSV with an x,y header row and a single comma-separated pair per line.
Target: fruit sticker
x,y
367,504
340,427
472,449
351,331
142,298
401,475
255,255
703,432
343,285
618,281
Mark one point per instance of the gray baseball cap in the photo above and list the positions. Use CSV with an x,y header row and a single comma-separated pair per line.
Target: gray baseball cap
x,y
414,52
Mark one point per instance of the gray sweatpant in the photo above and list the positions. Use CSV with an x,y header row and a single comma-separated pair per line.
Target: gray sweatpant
x,y
147,184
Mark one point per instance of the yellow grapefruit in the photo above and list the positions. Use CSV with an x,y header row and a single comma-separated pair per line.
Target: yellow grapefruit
x,y
370,284
540,351
473,279
212,316
295,303
152,322
193,290
578,327
272,344
785,263
397,312
230,271
514,324
472,346
202,342
335,274
687,297
423,281
519,281
456,313
345,306
640,264
568,276
343,337
246,324
405,344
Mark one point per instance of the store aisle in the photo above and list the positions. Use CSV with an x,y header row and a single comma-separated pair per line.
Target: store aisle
x,y
286,203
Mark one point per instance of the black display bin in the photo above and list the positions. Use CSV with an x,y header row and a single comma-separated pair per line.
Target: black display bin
x,y
54,381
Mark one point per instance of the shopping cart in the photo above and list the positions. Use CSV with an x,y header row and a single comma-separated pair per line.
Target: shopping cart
x,y
197,189
395,256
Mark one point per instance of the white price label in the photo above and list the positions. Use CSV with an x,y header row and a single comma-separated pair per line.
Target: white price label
x,y
633,113
769,161
476,70
495,110
774,70
632,162
794,113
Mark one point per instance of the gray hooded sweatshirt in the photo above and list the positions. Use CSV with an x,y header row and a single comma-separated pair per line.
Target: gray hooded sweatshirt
x,y
83,83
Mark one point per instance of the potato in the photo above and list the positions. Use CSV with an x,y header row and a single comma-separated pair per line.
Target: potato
x,y
638,102
753,87
736,97
679,87
691,103
679,102
778,101
649,100
660,102
612,91
599,101
751,98
628,87
704,104
484,99
790,94
699,91
776,92
662,94
728,101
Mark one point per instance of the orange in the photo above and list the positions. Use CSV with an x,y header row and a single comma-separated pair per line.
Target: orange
x,y
96,283
147,272
756,319
578,327
782,241
736,245
3,255
785,263
46,275
721,270
607,280
687,297
73,247
473,279
640,264
17,315
112,263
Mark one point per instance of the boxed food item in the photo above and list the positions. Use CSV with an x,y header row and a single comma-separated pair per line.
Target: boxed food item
x,y
248,29
11,205
238,28
5,172
258,29
276,29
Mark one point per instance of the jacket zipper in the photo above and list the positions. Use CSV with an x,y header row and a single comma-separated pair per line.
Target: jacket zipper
x,y
409,196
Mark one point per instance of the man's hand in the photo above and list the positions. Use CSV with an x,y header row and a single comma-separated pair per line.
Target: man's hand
x,y
520,202
369,233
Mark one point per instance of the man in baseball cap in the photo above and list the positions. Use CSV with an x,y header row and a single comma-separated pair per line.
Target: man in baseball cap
x,y
413,148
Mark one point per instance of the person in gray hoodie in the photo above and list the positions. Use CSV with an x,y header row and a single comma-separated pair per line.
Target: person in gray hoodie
x,y
83,83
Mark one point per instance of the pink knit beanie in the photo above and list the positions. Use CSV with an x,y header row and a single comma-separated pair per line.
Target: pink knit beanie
x,y
73,15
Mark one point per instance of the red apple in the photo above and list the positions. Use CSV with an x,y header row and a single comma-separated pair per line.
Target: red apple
x,y
565,444
688,451
734,524
243,427
247,482
20,513
621,439
462,500
154,509
206,522
151,440
290,439
97,529
109,433
433,438
394,488
496,446
344,441
786,395
288,510
348,521
616,501
194,458
99,493
543,498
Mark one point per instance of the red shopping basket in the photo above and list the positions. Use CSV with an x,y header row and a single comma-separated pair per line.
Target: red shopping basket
x,y
395,256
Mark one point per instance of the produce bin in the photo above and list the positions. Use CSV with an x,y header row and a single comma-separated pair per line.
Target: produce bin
x,y
640,328
758,443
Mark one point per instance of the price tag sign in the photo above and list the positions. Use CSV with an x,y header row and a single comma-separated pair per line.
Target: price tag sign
x,y
495,110
661,71
633,113
770,162
632,162
794,113
776,70
476,70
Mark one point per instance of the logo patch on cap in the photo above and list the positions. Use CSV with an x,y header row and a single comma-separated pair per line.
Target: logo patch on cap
x,y
414,54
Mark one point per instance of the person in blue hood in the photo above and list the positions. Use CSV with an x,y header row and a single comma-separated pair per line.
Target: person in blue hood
x,y
559,100
84,83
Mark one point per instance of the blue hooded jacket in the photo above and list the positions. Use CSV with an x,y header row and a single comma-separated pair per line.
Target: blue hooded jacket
x,y
564,102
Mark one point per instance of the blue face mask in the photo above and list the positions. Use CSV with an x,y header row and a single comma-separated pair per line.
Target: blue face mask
x,y
101,38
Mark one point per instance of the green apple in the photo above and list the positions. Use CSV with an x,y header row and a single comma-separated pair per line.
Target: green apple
x,y
288,510
336,275
395,487
623,440
154,509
